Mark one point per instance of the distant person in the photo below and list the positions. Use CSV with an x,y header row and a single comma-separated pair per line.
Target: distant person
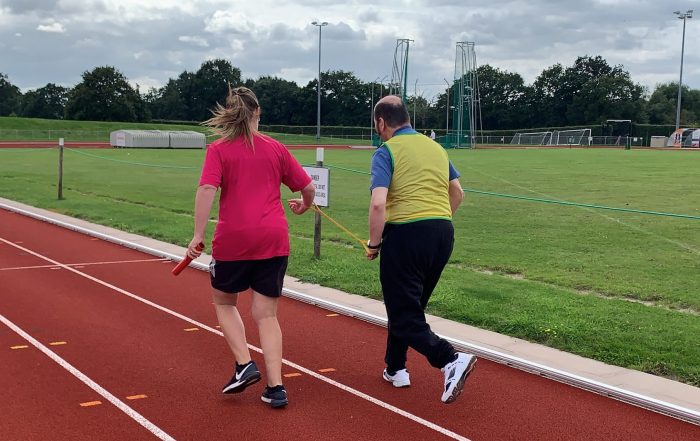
x,y
432,135
415,193
251,242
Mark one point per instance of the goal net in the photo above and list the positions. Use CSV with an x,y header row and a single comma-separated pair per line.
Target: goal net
x,y
532,138
571,137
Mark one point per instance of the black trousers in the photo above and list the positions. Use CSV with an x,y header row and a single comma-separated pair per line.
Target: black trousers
x,y
412,258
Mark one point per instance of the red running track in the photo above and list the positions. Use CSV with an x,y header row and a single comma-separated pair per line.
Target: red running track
x,y
57,285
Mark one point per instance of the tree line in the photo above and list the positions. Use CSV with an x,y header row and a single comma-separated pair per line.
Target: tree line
x,y
588,92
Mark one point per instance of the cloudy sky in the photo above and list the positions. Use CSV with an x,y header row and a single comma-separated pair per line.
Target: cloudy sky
x,y
150,41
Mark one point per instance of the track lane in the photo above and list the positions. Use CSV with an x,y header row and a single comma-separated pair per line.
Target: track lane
x,y
139,350
535,408
42,400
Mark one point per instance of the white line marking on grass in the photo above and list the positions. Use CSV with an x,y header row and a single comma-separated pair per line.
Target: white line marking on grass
x,y
297,367
89,382
85,264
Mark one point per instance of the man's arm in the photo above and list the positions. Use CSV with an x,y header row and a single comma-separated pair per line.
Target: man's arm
x,y
377,210
456,195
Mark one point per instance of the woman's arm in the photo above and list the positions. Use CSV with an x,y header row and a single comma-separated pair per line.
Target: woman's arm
x,y
202,207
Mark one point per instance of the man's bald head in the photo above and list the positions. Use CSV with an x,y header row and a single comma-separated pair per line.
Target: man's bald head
x,y
393,111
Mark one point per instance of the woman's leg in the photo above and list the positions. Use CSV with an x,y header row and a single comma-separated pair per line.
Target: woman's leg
x,y
265,315
231,324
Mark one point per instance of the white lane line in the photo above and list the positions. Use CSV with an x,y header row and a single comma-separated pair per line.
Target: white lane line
x,y
16,268
312,373
89,382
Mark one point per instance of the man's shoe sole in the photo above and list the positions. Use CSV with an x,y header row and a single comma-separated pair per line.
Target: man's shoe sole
x,y
236,389
460,384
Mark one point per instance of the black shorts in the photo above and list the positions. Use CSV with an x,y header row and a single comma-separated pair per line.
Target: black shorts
x,y
264,276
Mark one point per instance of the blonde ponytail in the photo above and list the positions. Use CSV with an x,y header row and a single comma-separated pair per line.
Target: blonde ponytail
x,y
236,118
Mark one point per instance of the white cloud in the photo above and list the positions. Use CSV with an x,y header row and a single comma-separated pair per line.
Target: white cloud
x,y
158,40
145,83
53,27
87,43
228,22
299,75
197,41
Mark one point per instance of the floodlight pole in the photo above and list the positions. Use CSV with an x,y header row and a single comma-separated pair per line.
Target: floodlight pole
x,y
415,94
371,107
447,109
318,84
682,16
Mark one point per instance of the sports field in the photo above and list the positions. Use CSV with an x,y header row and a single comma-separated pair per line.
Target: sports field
x,y
36,129
616,286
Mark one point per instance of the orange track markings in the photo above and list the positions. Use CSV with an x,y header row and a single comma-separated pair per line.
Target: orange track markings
x,y
90,403
136,397
191,329
58,343
332,315
19,347
293,374
326,370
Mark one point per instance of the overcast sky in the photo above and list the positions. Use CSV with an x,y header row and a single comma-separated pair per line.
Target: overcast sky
x,y
150,41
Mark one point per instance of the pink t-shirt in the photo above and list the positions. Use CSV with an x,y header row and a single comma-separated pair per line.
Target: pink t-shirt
x,y
252,225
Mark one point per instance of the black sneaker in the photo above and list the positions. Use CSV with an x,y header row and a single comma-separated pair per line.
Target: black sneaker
x,y
244,376
275,396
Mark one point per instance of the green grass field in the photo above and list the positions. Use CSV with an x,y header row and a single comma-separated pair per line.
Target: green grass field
x,y
618,287
34,129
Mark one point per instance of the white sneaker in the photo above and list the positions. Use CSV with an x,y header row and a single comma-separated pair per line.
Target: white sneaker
x,y
456,373
399,379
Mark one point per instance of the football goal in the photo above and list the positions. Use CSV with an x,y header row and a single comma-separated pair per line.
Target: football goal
x,y
571,137
532,138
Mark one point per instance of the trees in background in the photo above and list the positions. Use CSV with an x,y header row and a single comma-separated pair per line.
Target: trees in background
x,y
503,98
279,100
46,102
105,95
588,92
10,96
192,95
662,104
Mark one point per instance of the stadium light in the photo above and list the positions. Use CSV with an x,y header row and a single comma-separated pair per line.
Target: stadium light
x,y
682,16
318,85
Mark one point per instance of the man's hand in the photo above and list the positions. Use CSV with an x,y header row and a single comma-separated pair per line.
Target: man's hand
x,y
372,254
372,251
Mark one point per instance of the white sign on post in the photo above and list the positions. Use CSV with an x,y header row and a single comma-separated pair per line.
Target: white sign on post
x,y
321,179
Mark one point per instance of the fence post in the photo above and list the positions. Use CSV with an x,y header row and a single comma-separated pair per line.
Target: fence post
x,y
317,215
60,169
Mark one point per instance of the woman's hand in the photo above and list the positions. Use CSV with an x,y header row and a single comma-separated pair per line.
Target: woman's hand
x,y
297,206
194,249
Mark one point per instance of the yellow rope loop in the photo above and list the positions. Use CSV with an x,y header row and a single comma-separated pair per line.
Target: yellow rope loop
x,y
360,241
